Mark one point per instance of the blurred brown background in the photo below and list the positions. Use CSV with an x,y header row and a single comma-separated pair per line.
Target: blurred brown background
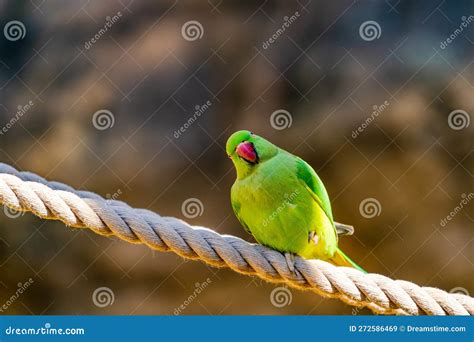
x,y
146,73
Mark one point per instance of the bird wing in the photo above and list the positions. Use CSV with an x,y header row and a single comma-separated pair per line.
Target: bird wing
x,y
236,208
315,186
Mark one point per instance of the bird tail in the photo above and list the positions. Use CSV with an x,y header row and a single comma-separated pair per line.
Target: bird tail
x,y
340,259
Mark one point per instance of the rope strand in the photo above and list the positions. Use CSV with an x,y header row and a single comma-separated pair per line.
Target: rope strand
x,y
25,191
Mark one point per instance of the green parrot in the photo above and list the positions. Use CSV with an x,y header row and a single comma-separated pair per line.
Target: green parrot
x,y
282,202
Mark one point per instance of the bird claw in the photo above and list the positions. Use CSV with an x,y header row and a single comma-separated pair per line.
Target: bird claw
x,y
312,236
290,261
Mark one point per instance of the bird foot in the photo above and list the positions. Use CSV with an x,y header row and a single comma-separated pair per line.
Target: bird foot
x,y
312,236
290,261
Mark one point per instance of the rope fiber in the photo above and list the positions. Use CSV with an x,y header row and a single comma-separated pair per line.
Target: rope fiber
x,y
25,191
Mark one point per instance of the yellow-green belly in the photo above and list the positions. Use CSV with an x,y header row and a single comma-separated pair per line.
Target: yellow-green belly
x,y
280,212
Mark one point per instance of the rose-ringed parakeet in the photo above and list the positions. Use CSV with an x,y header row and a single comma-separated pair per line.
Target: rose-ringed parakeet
x,y
282,202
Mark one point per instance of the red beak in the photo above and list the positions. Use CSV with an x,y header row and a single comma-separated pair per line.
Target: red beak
x,y
246,150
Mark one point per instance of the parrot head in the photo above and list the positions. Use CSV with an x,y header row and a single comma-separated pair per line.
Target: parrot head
x,y
248,150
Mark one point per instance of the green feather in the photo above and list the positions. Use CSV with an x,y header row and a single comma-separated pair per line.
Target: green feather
x,y
236,208
306,173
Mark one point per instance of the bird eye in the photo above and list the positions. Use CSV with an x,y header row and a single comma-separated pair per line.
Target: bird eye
x,y
251,133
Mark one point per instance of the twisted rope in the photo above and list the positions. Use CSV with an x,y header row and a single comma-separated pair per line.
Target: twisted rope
x,y
26,191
